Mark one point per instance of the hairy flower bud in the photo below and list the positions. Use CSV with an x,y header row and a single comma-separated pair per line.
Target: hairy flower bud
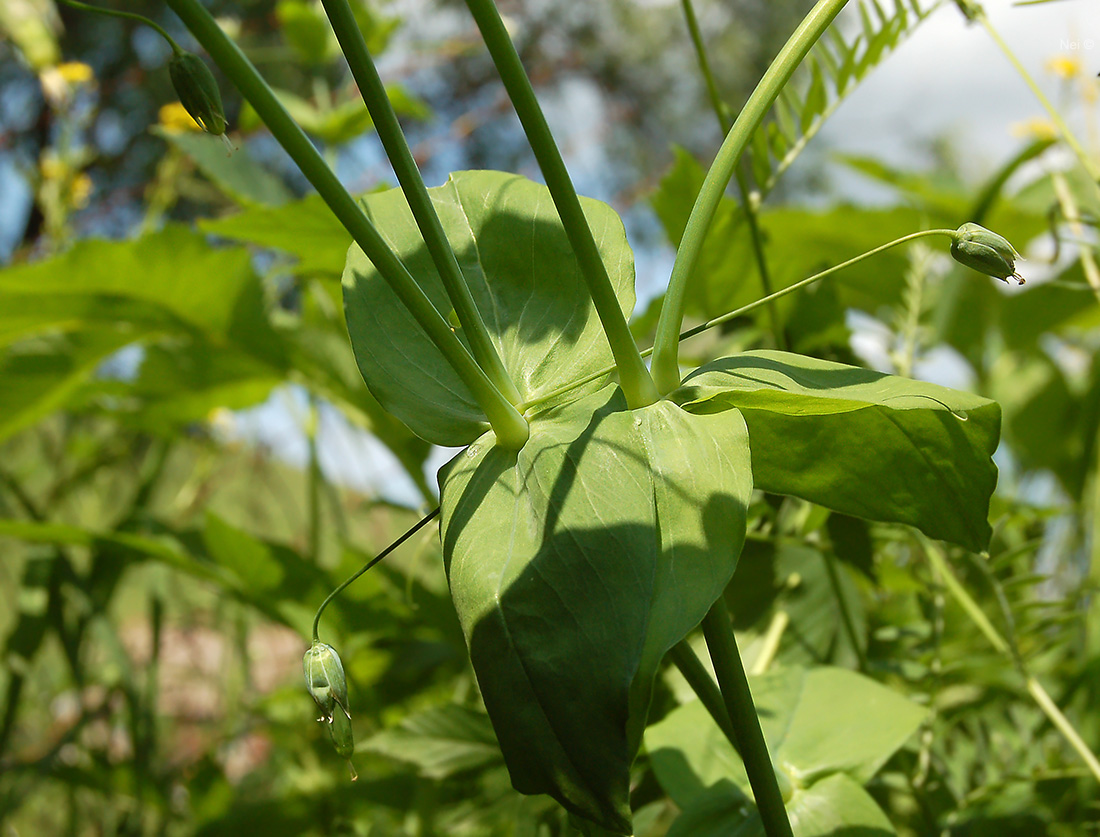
x,y
986,252
326,682
198,91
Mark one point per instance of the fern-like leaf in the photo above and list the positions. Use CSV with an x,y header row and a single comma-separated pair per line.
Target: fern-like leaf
x,y
830,73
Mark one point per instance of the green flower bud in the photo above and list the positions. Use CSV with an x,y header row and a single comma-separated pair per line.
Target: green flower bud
x,y
326,682
198,91
986,252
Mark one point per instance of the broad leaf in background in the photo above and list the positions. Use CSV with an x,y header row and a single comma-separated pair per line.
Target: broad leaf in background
x,y
305,229
575,564
524,279
237,174
819,723
440,742
834,807
860,442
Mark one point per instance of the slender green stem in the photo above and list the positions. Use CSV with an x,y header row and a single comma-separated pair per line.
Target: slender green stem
x,y
126,16
725,122
666,369
697,676
722,644
412,184
1002,646
1089,164
769,645
416,528
744,309
842,605
510,428
634,377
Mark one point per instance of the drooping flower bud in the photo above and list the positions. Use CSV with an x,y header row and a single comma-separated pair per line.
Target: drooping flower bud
x,y
198,91
326,682
986,252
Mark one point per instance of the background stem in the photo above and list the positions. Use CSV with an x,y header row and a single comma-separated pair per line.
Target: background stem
x,y
634,378
718,630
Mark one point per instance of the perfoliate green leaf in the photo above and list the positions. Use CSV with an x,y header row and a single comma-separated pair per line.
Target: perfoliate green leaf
x,y
575,564
818,723
520,268
860,442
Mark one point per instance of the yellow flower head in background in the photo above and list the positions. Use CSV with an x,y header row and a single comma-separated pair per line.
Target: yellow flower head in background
x,y
174,118
1065,67
59,83
1035,128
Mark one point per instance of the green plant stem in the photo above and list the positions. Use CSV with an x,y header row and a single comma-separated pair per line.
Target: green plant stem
x,y
701,682
126,16
313,422
842,605
725,122
634,377
510,427
665,366
415,528
718,630
744,309
393,140
1089,165
769,645
1002,646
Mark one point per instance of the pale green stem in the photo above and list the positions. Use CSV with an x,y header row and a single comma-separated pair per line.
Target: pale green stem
x,y
769,646
1089,164
1002,646
634,378
734,683
665,366
510,427
744,309
412,184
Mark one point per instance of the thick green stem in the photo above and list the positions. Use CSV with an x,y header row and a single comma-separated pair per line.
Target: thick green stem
x,y
697,676
510,427
666,367
725,122
633,376
408,175
718,630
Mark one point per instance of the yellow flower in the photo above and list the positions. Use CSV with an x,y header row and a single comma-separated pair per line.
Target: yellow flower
x,y
80,191
1064,66
75,72
1035,128
174,118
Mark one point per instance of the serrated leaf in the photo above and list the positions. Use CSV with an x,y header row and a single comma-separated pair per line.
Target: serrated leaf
x,y
861,442
524,279
575,564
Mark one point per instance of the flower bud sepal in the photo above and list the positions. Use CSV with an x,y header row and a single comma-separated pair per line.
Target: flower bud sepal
x,y
986,252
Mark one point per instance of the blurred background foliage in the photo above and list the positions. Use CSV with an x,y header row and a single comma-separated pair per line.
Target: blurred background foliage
x,y
189,459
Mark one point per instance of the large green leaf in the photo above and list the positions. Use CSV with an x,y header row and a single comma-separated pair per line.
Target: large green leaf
x,y
575,564
860,442
517,260
834,807
817,722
